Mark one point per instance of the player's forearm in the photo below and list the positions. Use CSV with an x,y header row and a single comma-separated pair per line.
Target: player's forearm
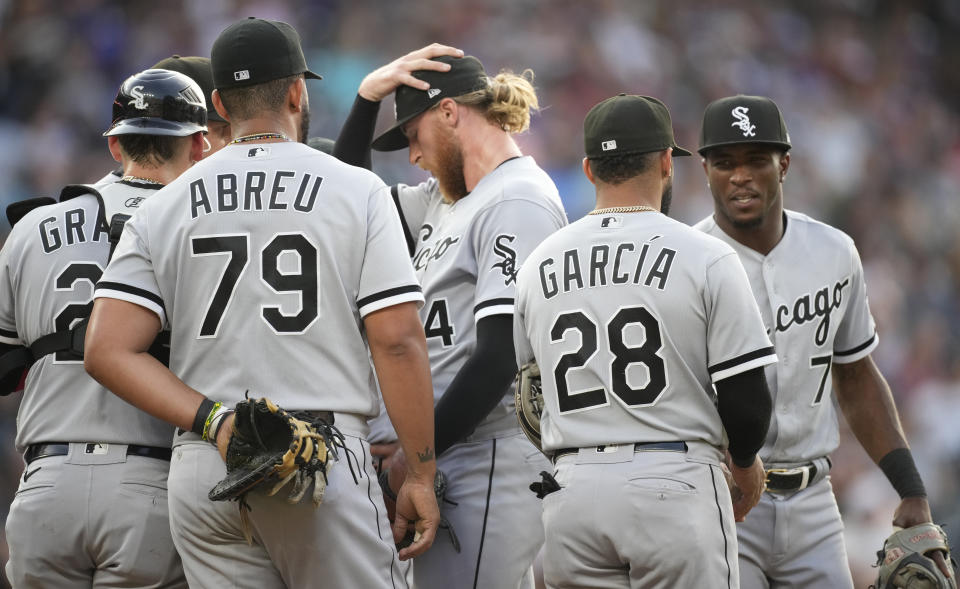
x,y
399,351
353,144
479,384
118,337
867,404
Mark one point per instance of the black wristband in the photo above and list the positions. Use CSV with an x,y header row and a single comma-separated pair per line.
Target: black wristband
x,y
742,462
200,419
902,473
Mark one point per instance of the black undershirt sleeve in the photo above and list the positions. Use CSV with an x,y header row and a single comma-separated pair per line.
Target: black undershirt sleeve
x,y
9,381
479,385
744,404
353,144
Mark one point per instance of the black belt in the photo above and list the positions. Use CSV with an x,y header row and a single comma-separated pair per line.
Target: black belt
x,y
791,479
638,447
36,451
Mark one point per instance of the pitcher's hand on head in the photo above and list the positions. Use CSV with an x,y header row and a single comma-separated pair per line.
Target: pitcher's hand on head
x,y
384,80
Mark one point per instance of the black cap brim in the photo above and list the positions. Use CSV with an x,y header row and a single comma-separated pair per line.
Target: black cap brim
x,y
677,150
393,138
312,76
703,150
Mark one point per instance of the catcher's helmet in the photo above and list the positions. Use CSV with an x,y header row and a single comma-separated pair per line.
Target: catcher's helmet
x,y
158,102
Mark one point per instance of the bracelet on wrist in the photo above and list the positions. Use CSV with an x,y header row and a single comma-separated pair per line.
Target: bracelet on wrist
x,y
201,419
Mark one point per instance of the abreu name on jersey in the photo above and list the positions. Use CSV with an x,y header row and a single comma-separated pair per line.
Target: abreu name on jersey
x,y
255,190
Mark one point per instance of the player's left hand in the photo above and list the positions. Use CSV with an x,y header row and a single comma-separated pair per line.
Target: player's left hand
x,y
416,507
914,511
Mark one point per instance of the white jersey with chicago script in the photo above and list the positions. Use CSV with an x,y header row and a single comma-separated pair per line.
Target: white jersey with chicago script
x,y
48,267
631,319
466,255
813,300
264,259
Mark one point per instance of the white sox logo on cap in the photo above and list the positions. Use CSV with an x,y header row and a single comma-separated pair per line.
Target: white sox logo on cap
x,y
743,121
137,101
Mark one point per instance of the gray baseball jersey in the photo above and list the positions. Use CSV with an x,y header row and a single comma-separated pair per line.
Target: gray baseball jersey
x,y
813,300
48,266
268,256
95,512
631,317
264,259
466,256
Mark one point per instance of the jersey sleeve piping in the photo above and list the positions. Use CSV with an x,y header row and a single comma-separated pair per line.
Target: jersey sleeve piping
x,y
9,337
390,297
742,363
501,306
854,354
131,294
395,193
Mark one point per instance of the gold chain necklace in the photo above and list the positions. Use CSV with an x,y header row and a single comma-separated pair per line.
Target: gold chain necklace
x,y
260,137
633,209
138,179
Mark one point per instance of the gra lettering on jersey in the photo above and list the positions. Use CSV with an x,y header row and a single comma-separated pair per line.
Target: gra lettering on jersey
x,y
508,258
616,264
426,254
55,232
825,301
254,191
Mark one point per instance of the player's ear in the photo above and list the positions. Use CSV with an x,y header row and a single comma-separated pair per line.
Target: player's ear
x,y
218,105
449,111
196,146
666,163
113,143
295,94
587,171
784,165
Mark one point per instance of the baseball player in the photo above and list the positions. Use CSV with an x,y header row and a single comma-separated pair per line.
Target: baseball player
x,y
469,227
91,509
278,265
808,282
631,317
218,130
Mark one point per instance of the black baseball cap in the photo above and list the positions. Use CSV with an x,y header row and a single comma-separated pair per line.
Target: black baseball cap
x,y
466,75
254,51
743,119
198,69
628,124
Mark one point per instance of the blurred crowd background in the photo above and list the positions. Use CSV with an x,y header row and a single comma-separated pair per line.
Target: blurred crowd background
x,y
870,90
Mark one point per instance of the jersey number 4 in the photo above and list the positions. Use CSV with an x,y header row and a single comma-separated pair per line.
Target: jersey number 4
x,y
623,356
302,282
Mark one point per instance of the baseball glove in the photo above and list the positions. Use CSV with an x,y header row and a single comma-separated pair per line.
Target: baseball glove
x,y
529,402
904,562
270,447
